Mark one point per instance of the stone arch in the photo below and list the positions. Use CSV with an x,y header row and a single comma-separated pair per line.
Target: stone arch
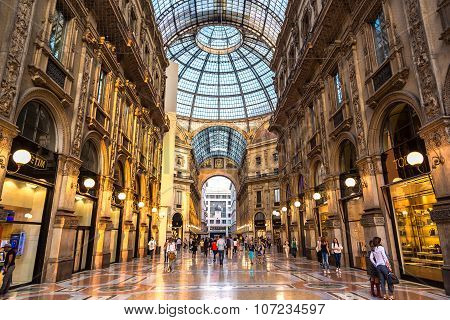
x,y
336,148
218,173
102,150
376,123
56,110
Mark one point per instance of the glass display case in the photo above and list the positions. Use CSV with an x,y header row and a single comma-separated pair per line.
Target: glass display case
x,y
418,236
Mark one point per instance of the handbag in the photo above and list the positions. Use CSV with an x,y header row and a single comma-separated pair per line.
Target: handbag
x,y
394,278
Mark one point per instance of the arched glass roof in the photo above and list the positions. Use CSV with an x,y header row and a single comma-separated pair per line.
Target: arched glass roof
x,y
223,49
219,141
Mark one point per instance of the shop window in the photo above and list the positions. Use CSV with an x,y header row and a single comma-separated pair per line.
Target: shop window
x,y
20,225
36,124
380,38
178,198
58,32
258,198
119,178
347,157
420,247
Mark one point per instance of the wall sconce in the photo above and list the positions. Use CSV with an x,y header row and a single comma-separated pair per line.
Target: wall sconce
x,y
284,209
350,182
141,204
297,204
416,159
154,210
317,196
121,196
20,157
28,215
275,213
89,183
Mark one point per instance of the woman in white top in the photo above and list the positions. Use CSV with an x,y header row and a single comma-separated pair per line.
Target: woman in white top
x,y
286,248
171,254
336,249
380,260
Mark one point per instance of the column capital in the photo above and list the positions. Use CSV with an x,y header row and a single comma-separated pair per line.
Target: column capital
x,y
372,218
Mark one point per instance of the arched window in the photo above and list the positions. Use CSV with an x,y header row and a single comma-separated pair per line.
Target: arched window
x,y
89,156
177,220
260,220
305,26
301,185
347,157
36,124
119,177
402,124
318,174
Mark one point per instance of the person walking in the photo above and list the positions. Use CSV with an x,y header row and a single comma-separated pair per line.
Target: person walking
x,y
171,255
380,260
8,268
235,245
205,247
294,248
372,272
251,252
179,244
166,244
221,248
319,252
325,251
194,248
286,248
214,249
151,247
336,249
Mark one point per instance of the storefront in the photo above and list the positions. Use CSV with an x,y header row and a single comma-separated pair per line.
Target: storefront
x,y
276,228
177,226
320,200
117,199
86,208
260,225
352,205
409,195
27,194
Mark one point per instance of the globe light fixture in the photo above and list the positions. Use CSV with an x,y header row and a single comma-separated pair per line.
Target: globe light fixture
x,y
414,158
154,210
297,204
28,215
21,157
350,182
121,196
89,183
141,204
397,180
317,196
284,209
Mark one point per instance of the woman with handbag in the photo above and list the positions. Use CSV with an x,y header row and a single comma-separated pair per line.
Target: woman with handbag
x,y
380,260
171,255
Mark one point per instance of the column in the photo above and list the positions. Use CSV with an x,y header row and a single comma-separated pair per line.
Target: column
x,y
7,133
128,228
437,141
63,231
102,254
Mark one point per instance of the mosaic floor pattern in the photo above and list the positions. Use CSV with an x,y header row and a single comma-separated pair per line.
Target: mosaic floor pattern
x,y
200,278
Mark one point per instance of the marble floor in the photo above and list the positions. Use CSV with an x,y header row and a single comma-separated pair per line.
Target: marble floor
x,y
276,278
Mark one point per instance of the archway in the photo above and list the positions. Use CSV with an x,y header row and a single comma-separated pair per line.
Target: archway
x,y
177,225
260,225
219,205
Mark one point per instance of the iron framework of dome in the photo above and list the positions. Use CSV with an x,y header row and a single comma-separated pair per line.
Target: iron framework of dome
x,y
223,49
219,141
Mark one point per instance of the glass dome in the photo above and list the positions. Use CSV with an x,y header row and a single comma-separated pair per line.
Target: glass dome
x,y
223,51
219,39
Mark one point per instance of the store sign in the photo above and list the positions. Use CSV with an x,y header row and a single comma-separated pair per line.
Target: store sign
x,y
37,162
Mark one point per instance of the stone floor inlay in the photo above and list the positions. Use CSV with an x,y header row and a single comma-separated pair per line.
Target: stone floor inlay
x,y
200,278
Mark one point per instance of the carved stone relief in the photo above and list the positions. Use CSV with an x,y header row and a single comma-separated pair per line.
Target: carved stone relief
x,y
421,53
8,86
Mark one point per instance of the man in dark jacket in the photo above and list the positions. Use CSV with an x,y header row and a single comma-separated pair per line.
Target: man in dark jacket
x,y
8,268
